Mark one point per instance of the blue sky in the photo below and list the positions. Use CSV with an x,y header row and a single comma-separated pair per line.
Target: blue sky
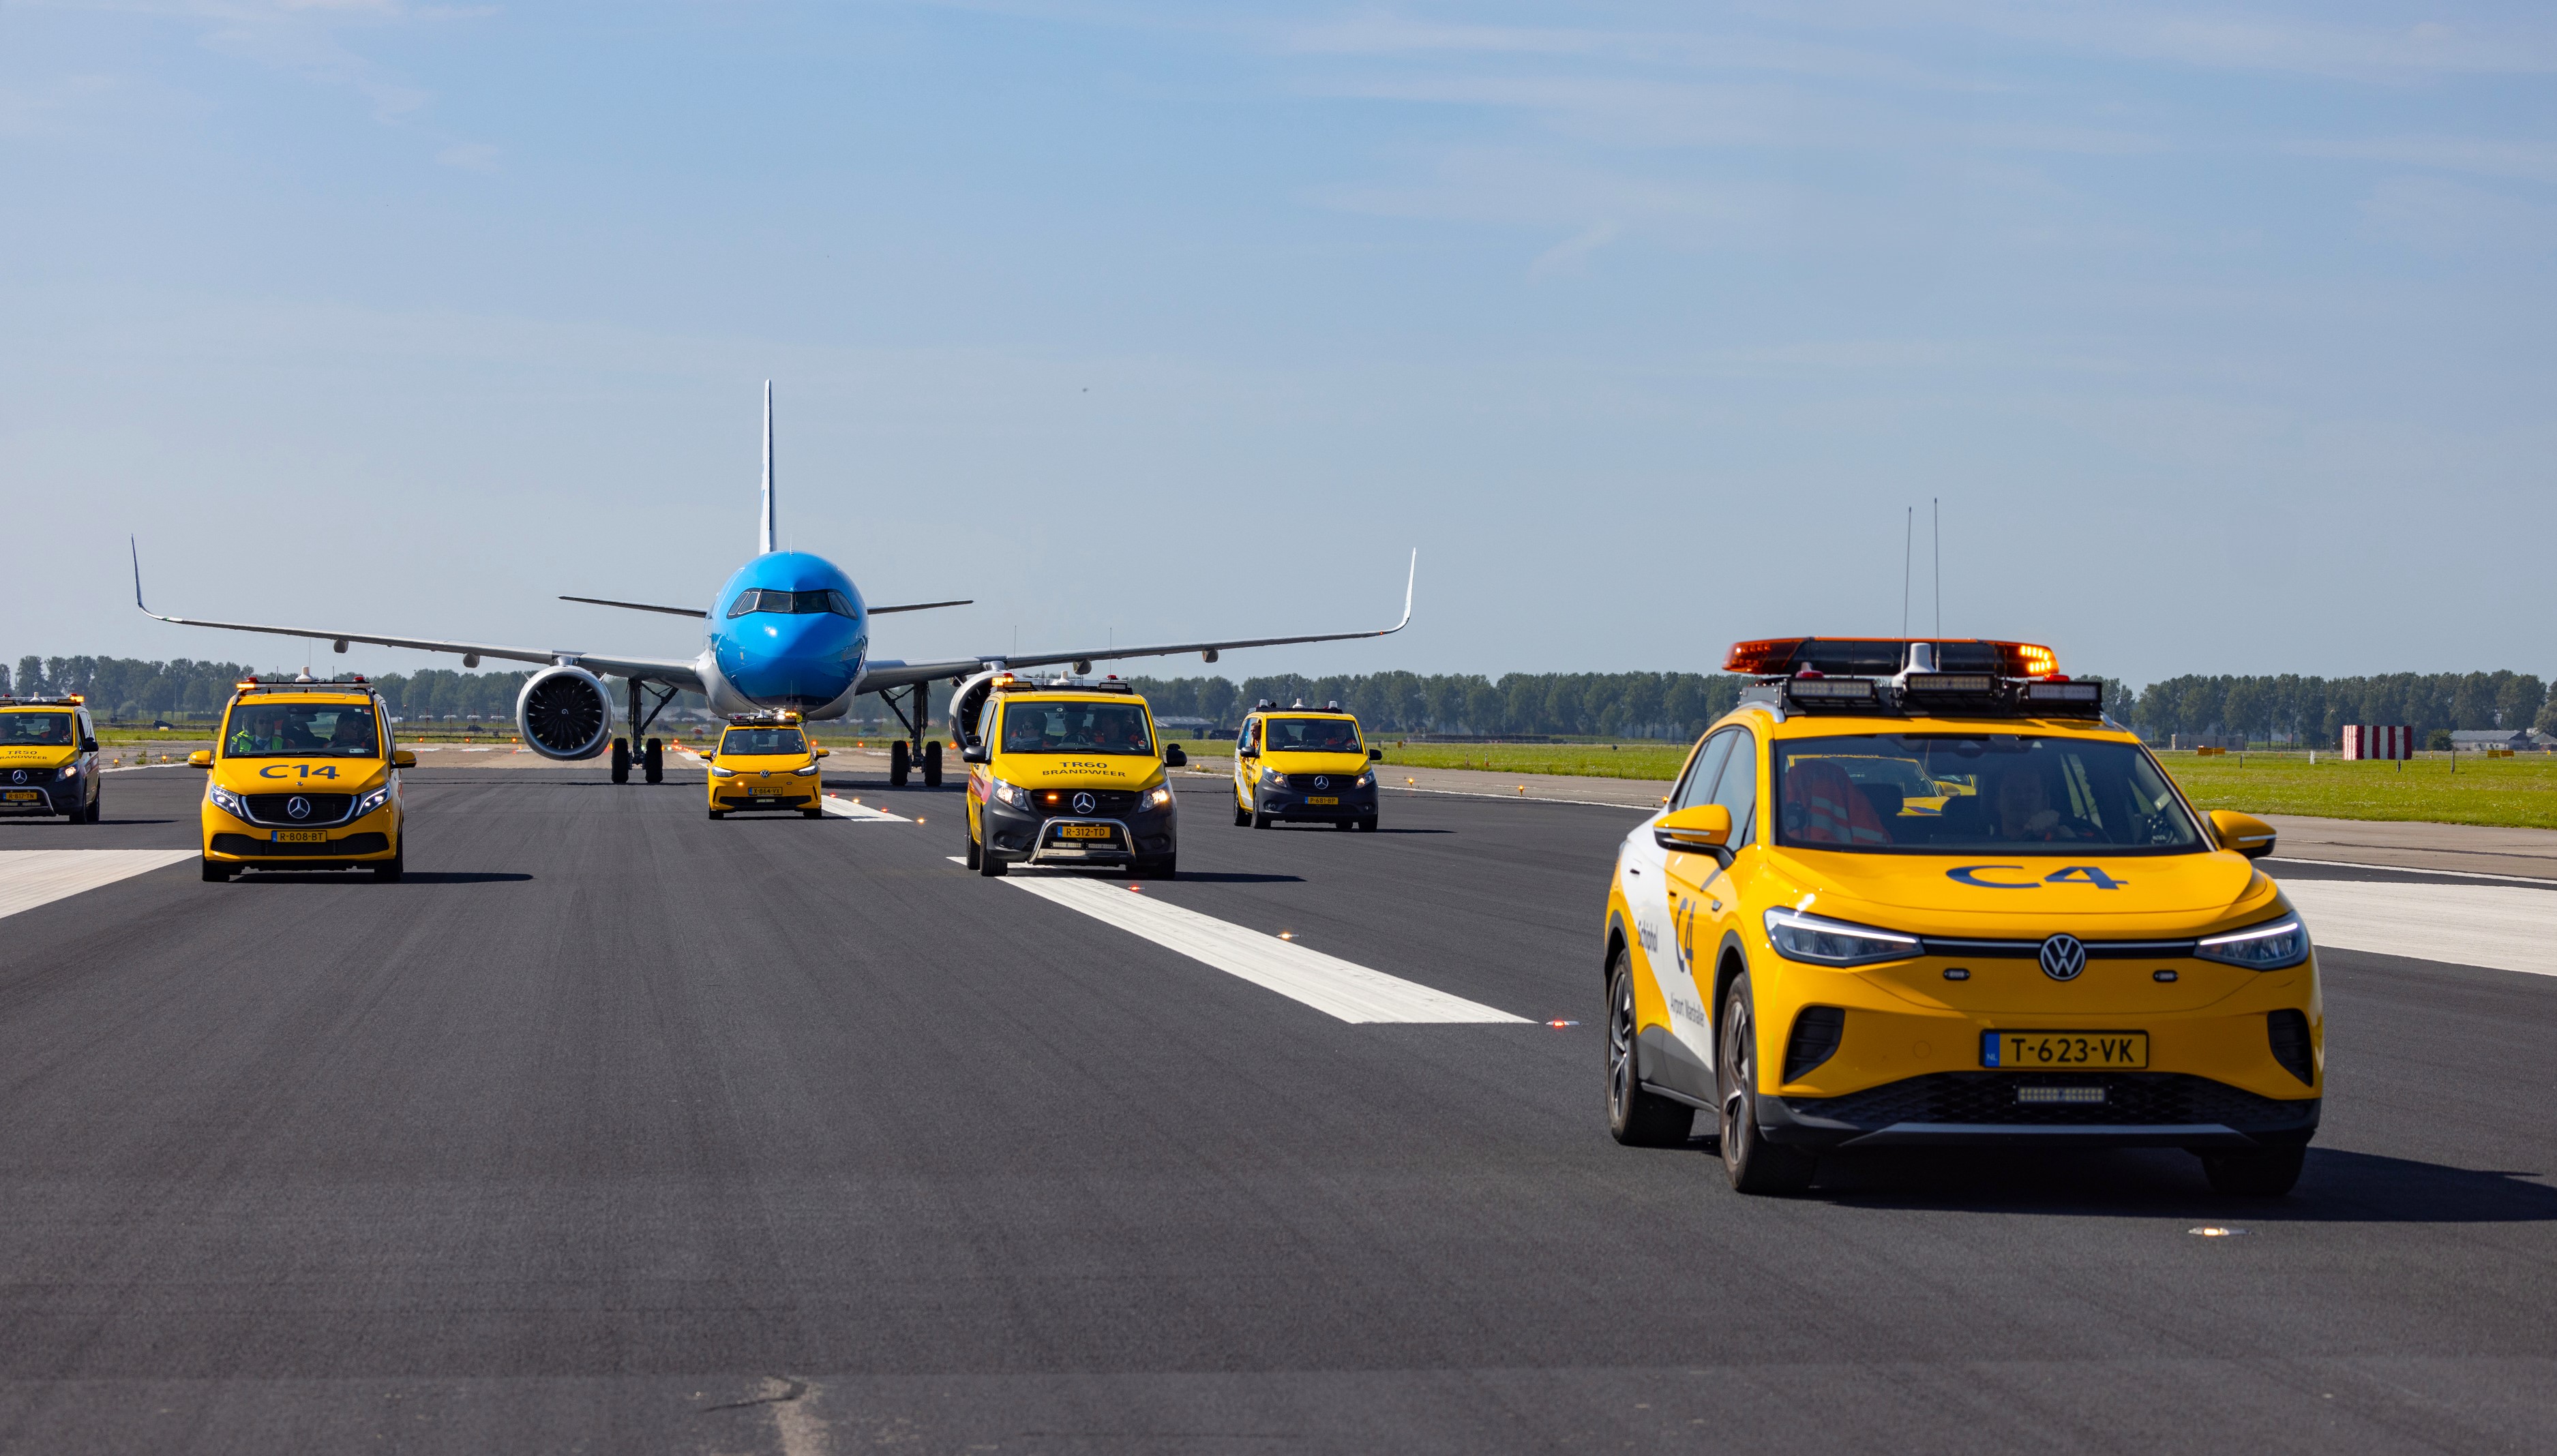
x,y
2223,332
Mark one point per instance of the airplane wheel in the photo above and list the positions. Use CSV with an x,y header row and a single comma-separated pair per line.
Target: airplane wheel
x,y
621,761
656,761
900,764
932,764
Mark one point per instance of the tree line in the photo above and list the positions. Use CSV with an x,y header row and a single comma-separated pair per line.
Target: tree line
x,y
2288,708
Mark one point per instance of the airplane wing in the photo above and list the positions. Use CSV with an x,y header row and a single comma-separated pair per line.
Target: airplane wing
x,y
904,673
682,674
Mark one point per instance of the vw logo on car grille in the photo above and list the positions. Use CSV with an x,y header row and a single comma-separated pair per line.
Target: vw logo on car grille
x,y
1084,803
299,808
1323,782
18,776
2063,957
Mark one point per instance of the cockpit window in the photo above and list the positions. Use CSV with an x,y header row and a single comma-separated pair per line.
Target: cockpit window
x,y
794,603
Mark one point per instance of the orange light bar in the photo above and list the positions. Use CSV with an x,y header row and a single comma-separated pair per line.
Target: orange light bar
x,y
2027,660
1774,655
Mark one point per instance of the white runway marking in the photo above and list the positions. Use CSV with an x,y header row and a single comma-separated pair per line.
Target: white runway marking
x,y
31,878
2504,927
1329,984
847,809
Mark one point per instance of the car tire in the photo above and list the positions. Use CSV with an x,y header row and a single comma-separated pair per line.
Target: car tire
x,y
1753,1164
1242,815
1161,869
217,874
390,873
976,852
1367,825
2271,1173
719,814
1260,818
1635,1117
817,813
990,864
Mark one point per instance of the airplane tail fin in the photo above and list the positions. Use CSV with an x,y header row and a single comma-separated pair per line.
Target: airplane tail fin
x,y
770,545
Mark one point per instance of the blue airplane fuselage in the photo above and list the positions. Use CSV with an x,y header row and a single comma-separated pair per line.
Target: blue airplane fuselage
x,y
806,654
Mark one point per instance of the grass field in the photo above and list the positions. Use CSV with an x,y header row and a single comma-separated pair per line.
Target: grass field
x,y
1654,761
2519,791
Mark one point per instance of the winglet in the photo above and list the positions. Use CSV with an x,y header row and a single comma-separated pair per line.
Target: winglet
x,y
1407,581
136,548
769,544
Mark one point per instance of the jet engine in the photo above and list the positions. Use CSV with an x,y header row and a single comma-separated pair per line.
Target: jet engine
x,y
968,704
565,712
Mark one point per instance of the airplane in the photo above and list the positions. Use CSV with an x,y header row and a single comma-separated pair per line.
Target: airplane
x,y
788,632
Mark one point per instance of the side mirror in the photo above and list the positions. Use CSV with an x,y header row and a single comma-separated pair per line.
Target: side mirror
x,y
1699,829
710,753
2244,832
200,759
976,752
1376,755
89,746
822,752
403,758
1173,757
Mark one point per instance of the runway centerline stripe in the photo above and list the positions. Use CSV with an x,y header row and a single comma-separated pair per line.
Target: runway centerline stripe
x,y
1329,984
31,878
2504,927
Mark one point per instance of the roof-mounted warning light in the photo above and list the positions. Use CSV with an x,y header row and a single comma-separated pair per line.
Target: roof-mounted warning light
x,y
1796,657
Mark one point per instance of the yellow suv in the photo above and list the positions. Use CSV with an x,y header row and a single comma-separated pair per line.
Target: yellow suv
x,y
304,777
49,758
1921,894
1066,773
1301,764
765,761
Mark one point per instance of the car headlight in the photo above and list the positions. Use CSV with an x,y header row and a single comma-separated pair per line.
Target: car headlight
x,y
1273,779
804,772
1161,798
1012,794
719,772
226,801
1366,780
71,770
1825,942
2267,947
373,801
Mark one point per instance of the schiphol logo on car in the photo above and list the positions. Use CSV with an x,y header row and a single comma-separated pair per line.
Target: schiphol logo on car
x,y
298,807
1085,803
2064,957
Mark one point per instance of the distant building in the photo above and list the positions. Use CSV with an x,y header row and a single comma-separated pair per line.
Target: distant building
x,y
2478,740
1185,728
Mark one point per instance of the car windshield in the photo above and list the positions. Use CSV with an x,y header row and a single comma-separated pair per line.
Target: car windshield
x,y
1076,727
35,729
301,730
1313,735
1979,794
763,740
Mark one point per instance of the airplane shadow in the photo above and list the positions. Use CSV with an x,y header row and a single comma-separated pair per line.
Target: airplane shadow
x,y
2338,1187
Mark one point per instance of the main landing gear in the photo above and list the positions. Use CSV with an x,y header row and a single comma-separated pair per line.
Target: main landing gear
x,y
904,756
651,756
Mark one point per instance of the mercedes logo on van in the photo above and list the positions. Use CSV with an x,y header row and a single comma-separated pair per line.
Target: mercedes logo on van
x,y
299,808
17,775
1084,803
2063,957
1323,782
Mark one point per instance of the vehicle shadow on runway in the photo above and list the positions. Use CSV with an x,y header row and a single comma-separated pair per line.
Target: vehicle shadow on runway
x,y
414,876
2338,1187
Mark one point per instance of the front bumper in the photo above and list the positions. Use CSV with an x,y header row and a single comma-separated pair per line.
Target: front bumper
x,y
1294,803
780,791
369,840
53,796
1949,1108
1023,836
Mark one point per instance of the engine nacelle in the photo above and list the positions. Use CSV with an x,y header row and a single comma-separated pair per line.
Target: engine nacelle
x,y
565,712
968,705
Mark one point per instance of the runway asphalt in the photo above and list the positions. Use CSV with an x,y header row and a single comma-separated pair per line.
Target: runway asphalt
x,y
613,1129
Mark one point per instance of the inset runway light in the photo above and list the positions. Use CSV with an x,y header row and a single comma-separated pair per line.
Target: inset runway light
x,y
2214,1231
1558,1026
1286,934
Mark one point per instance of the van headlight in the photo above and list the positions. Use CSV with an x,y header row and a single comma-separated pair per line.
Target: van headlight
x,y
1273,779
1012,794
69,771
1366,780
226,801
804,772
1826,942
373,801
1160,797
2267,947
719,772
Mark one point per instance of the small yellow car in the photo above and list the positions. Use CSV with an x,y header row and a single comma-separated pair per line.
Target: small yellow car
x,y
1067,773
1301,764
49,758
765,761
304,776
1924,893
